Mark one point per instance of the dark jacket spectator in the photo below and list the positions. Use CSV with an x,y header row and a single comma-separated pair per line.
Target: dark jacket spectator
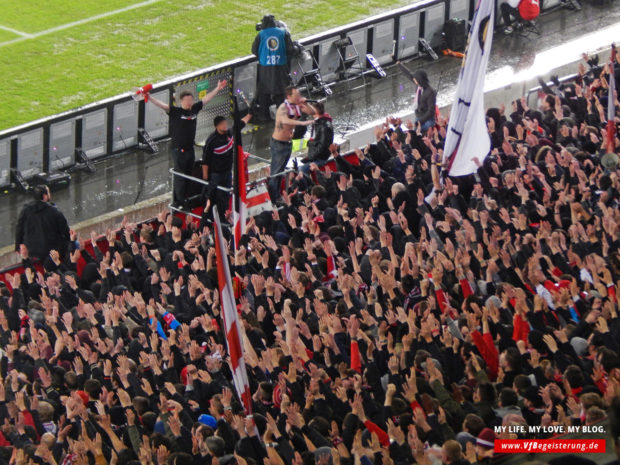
x,y
427,99
322,135
41,227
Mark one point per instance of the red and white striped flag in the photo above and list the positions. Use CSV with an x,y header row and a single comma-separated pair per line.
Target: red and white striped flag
x,y
240,181
231,319
611,104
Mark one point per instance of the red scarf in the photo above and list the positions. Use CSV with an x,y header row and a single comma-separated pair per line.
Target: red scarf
x,y
294,111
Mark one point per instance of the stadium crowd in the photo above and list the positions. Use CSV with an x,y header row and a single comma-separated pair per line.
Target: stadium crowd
x,y
378,328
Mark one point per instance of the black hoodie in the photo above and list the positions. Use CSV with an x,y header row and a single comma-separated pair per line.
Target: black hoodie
x,y
42,227
322,138
427,99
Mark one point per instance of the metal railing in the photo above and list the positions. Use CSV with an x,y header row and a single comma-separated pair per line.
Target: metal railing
x,y
197,180
250,184
265,179
207,184
257,158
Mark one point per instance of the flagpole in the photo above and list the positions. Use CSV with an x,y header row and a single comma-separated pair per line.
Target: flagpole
x,y
235,198
239,200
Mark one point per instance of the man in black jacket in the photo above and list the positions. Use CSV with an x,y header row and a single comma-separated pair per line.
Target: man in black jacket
x,y
217,162
425,100
41,227
322,138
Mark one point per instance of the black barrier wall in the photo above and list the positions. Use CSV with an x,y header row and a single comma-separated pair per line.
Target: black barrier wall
x,y
110,126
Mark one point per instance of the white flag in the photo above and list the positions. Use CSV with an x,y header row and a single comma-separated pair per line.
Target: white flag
x,y
467,136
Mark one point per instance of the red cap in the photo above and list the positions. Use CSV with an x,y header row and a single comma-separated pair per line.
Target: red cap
x,y
486,438
84,396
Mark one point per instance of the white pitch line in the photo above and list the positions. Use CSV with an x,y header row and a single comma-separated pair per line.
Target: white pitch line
x,y
94,18
12,41
15,31
62,27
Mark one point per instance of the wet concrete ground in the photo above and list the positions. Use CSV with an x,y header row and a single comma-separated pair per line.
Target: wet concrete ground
x,y
131,177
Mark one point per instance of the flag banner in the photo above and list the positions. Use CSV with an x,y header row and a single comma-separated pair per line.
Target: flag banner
x,y
240,180
611,103
467,136
231,318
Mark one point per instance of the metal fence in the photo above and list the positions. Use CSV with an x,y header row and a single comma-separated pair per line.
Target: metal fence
x,y
257,176
113,125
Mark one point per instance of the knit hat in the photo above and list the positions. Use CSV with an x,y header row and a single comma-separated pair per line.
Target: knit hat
x,y
159,427
119,290
580,345
86,296
514,418
277,395
486,438
609,161
208,420
595,295
464,438
83,396
84,337
496,301
320,452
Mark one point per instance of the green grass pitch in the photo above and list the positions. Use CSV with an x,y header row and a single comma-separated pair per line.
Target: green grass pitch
x,y
61,54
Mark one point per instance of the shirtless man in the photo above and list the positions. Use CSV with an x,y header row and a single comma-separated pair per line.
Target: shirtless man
x,y
287,117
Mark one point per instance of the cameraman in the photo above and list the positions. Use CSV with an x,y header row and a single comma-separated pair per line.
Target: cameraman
x,y
273,47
